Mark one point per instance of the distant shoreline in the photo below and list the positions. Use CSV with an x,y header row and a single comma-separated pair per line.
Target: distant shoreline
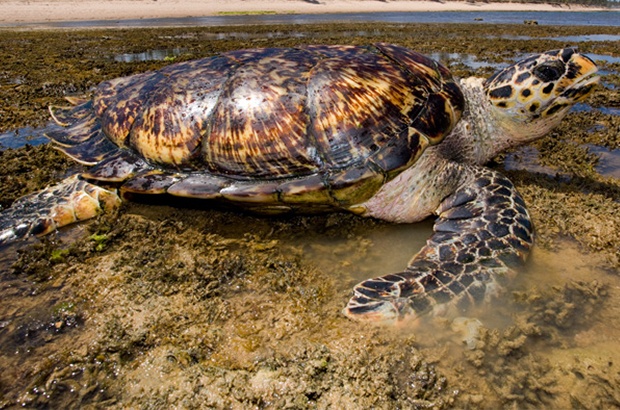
x,y
46,11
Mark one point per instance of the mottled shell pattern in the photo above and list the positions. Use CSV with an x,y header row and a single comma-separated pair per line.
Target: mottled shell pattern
x,y
287,127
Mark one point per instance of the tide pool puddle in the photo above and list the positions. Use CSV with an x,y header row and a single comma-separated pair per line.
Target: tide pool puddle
x,y
376,252
569,39
468,60
22,136
526,158
150,55
609,160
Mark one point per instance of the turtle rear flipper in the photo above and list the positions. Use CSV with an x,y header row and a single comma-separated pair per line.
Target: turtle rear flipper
x,y
65,116
482,235
70,201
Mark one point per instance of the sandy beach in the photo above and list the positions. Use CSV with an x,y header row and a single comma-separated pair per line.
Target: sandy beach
x,y
33,11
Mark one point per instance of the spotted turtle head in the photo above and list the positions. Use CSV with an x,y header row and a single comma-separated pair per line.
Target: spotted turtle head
x,y
534,94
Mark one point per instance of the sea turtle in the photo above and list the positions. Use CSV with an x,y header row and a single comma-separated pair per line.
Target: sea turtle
x,y
378,130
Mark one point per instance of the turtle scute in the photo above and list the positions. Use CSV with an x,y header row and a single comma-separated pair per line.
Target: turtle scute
x,y
306,126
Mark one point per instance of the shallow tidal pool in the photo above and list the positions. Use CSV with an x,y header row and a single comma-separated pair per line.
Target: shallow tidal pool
x,y
159,306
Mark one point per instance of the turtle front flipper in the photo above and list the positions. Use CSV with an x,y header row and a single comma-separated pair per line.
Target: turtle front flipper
x,y
483,234
70,201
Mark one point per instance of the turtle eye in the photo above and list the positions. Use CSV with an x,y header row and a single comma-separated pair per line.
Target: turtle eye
x,y
549,71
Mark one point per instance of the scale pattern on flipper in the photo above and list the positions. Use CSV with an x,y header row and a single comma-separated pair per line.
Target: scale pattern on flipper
x,y
483,234
58,205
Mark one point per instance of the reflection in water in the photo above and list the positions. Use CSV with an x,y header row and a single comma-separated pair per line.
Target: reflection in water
x,y
468,60
609,110
586,37
604,57
609,160
526,158
150,55
20,137
582,107
569,39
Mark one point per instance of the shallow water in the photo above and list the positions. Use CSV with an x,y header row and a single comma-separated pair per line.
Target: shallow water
x,y
557,322
150,55
381,250
468,60
20,137
609,161
607,18
526,158
569,39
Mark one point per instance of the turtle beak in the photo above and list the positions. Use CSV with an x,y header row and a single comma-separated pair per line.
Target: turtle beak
x,y
581,74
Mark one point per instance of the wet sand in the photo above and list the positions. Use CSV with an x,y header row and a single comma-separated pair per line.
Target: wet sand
x,y
160,306
33,11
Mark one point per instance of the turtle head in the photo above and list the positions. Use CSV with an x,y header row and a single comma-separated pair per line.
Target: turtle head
x,y
534,94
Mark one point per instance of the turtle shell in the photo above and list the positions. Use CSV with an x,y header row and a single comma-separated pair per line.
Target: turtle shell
x,y
278,128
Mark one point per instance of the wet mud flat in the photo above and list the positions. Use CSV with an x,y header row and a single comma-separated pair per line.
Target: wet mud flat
x,y
159,306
